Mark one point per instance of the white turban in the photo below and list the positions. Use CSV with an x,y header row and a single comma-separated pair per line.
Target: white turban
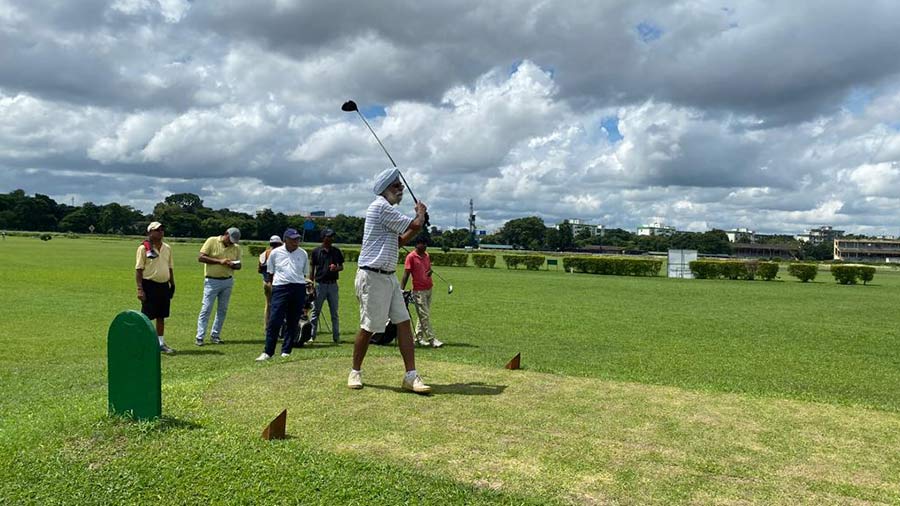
x,y
384,179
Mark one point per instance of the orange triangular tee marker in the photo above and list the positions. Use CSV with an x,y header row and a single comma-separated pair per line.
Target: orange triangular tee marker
x,y
515,362
275,429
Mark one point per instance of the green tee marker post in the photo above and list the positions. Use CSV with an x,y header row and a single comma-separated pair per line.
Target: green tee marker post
x,y
135,381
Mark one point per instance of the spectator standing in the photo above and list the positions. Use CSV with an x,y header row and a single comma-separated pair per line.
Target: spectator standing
x,y
221,256
288,267
155,280
274,242
327,263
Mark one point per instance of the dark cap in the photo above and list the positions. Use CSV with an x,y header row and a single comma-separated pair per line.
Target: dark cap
x,y
327,233
291,234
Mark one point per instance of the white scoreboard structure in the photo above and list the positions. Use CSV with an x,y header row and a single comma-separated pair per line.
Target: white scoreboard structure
x,y
680,263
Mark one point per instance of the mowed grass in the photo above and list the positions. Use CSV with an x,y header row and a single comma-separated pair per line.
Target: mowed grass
x,y
634,391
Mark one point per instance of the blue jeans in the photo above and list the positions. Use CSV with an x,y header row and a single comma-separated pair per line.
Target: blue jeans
x,y
327,292
214,289
287,305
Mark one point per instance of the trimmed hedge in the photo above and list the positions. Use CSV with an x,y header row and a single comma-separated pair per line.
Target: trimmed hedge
x,y
613,266
484,260
851,274
449,259
531,262
733,269
767,270
803,272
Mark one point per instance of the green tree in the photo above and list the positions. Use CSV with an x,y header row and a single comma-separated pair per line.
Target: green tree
x,y
524,232
118,219
269,223
188,202
458,238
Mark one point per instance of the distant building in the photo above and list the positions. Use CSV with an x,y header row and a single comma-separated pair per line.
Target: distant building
x,y
753,250
820,235
578,226
656,228
741,235
867,250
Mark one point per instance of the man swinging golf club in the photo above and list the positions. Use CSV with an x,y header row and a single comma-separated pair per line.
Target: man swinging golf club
x,y
377,288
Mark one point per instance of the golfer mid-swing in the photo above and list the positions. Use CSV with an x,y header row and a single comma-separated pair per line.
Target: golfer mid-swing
x,y
377,287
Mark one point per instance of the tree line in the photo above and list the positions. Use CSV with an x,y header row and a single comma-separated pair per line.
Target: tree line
x,y
185,215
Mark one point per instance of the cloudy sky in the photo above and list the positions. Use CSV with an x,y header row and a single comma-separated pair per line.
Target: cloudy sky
x,y
776,116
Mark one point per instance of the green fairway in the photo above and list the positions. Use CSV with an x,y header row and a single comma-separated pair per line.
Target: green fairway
x,y
635,391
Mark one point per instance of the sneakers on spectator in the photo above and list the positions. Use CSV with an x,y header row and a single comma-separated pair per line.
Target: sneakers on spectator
x,y
217,340
416,385
199,342
436,344
263,357
163,348
285,355
355,380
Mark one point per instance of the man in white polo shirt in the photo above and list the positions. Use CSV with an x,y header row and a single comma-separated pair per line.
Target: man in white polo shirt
x,y
288,267
377,288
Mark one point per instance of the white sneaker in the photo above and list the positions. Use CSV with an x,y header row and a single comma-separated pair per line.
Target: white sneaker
x,y
416,385
354,381
436,343
285,355
263,357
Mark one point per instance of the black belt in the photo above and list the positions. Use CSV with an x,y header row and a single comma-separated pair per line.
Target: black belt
x,y
213,277
327,282
379,271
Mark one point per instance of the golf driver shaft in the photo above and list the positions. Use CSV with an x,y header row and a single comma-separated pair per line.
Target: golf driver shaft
x,y
411,194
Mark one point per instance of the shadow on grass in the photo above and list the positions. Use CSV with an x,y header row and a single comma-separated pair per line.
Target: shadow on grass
x,y
451,389
261,340
198,352
161,424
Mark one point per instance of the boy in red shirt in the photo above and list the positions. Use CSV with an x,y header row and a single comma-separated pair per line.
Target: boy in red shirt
x,y
418,264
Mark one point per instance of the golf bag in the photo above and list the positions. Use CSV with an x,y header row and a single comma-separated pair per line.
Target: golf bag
x,y
304,329
390,331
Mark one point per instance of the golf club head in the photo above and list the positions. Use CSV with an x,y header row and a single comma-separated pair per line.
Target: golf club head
x,y
449,289
349,106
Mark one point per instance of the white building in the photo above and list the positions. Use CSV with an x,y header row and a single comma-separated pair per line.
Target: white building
x,y
656,228
820,235
867,250
579,225
742,235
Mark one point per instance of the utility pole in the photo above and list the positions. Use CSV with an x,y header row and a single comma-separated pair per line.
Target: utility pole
x,y
472,241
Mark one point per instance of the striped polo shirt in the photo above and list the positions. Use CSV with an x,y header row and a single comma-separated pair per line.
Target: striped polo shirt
x,y
380,244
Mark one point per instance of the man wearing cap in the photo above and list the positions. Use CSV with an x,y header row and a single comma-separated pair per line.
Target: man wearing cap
x,y
377,288
221,255
155,280
274,242
327,261
288,267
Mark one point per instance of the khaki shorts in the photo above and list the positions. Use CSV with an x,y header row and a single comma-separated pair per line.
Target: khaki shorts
x,y
380,300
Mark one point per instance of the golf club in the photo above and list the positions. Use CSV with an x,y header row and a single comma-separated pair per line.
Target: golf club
x,y
350,106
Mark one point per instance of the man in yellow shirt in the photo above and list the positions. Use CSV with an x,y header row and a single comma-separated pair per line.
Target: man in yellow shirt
x,y
155,280
221,255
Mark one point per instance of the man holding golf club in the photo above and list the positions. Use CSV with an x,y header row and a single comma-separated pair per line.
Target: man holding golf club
x,y
418,264
377,287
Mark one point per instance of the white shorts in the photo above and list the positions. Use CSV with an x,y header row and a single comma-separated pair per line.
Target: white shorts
x,y
380,300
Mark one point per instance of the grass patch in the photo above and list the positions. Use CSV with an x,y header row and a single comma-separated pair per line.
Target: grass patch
x,y
636,390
